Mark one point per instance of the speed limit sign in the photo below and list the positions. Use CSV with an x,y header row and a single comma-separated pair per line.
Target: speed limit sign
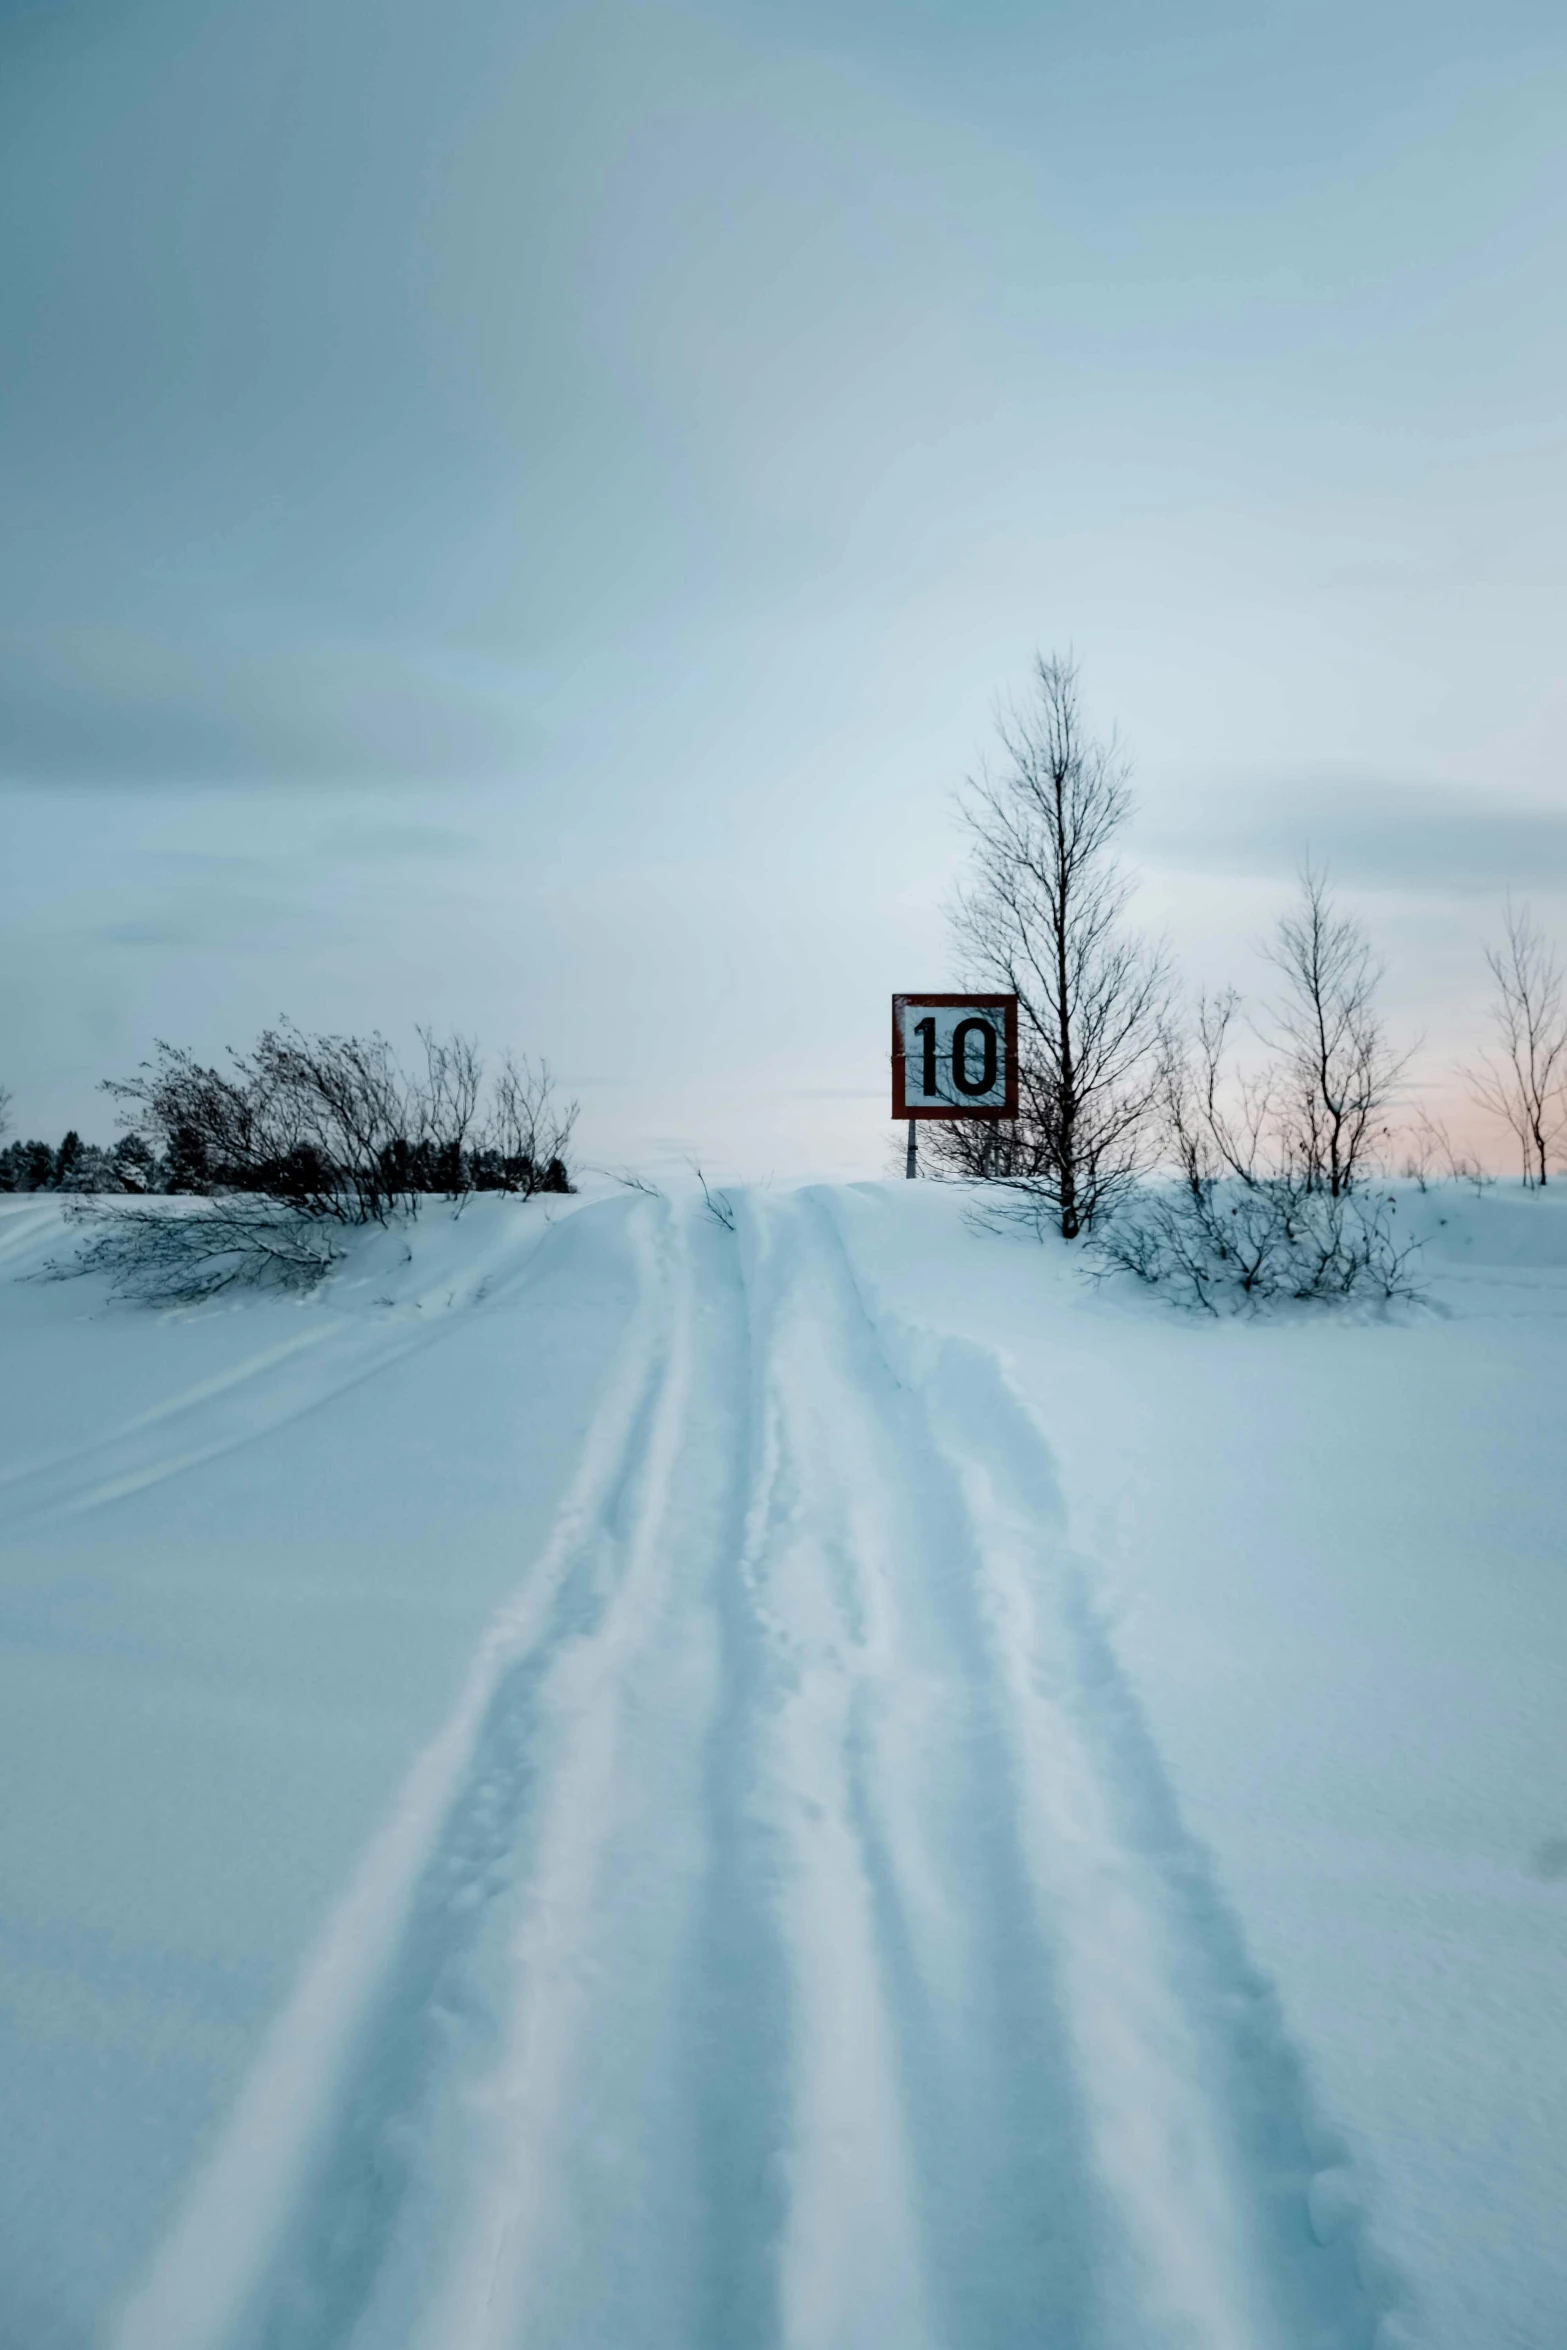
x,y
954,1056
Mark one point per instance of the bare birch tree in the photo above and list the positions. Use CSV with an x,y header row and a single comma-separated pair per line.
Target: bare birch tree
x,y
1337,1074
1043,918
1523,1081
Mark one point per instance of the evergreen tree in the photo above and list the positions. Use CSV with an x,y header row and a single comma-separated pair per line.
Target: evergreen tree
x,y
185,1163
131,1165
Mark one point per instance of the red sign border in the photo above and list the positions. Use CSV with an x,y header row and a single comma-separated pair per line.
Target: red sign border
x,y
1006,1004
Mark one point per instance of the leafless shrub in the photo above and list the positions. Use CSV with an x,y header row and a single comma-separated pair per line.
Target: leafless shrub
x,y
1523,1081
445,1105
327,1126
528,1133
1042,918
161,1253
1224,1244
303,1136
1426,1146
1248,1218
1430,1154
336,1129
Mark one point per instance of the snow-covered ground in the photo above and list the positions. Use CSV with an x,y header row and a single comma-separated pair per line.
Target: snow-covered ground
x,y
611,1784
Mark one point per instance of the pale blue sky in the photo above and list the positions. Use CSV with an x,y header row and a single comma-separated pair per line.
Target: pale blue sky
x,y
519,515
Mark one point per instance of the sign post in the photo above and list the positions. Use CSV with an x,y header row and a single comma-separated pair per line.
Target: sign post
x,y
953,1056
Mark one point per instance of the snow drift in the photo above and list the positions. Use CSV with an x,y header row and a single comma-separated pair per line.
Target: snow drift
x,y
611,1781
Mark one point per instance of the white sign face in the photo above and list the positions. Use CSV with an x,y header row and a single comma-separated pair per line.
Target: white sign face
x,y
955,1055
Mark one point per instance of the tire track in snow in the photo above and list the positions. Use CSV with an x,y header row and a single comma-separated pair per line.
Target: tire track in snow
x,y
1211,2163
21,1228
981,2120
519,2154
735,2028
622,2182
283,2232
80,1477
234,1405
848,2255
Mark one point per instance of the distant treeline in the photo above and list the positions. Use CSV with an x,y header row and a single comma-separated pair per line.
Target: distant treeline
x,y
133,1166
83,1166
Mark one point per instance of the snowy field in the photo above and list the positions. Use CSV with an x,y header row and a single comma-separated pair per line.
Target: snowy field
x,y
608,1784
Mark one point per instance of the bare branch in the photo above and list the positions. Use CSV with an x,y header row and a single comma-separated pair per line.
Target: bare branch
x,y
718,1203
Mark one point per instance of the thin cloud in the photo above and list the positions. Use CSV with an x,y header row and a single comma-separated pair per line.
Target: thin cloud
x,y
126,707
1423,840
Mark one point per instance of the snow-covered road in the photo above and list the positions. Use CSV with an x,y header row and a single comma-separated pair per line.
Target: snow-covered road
x,y
790,1938
589,1796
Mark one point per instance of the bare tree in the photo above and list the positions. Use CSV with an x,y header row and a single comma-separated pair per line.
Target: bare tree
x,y
1042,918
5,1111
1337,1075
1524,1080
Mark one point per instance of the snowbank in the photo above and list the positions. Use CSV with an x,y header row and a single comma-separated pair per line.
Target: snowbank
x,y
609,1781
